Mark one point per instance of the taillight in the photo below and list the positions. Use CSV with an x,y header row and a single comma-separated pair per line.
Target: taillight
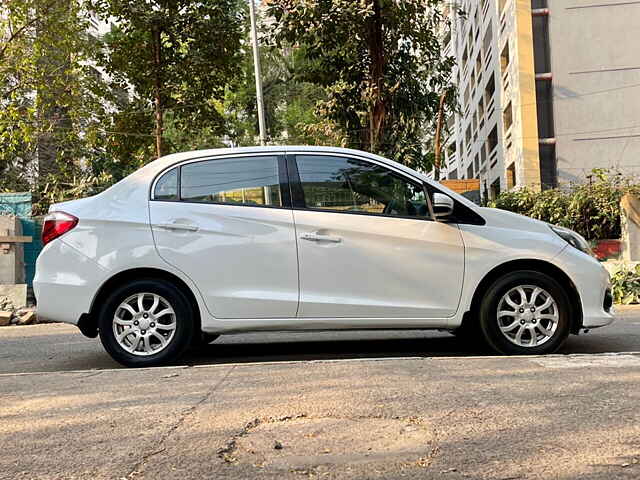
x,y
56,224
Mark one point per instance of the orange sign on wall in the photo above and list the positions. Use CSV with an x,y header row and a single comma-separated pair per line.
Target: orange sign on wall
x,y
462,186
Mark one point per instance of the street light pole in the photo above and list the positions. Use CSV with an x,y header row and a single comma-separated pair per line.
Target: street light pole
x,y
256,65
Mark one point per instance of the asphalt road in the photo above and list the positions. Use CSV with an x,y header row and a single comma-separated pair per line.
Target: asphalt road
x,y
58,347
321,406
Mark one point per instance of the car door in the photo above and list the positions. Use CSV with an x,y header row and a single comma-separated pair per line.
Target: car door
x,y
367,245
227,224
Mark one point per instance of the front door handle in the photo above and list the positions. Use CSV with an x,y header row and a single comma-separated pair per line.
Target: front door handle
x,y
178,226
314,237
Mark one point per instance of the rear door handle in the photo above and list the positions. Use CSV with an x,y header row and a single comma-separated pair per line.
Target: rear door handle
x,y
178,226
314,237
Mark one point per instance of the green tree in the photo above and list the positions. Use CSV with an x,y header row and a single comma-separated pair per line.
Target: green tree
x,y
51,97
289,100
177,56
380,63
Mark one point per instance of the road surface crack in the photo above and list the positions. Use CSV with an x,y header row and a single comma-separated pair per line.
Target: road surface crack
x,y
138,468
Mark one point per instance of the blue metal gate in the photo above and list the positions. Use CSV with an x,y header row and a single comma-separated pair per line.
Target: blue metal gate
x,y
19,204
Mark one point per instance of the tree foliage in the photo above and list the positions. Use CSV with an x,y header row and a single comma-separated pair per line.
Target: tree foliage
x,y
80,110
175,56
380,62
289,100
50,95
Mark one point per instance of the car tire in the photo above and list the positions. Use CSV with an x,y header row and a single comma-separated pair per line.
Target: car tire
x,y
158,317
525,313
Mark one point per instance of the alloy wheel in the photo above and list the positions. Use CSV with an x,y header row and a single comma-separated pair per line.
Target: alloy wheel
x,y
144,324
528,316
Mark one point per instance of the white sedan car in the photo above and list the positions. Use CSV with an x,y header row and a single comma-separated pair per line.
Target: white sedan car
x,y
200,244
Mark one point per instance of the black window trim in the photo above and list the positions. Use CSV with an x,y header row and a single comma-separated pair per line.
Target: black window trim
x,y
283,180
297,192
462,215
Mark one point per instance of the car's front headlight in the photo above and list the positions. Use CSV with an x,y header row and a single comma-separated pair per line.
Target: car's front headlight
x,y
572,238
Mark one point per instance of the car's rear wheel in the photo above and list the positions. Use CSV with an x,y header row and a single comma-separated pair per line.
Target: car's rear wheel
x,y
525,312
146,323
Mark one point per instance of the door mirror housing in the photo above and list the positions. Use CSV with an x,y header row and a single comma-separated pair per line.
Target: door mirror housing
x,y
442,205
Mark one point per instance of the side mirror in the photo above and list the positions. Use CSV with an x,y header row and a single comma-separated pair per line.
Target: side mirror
x,y
442,205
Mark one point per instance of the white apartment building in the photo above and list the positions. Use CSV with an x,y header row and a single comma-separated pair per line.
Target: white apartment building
x,y
547,92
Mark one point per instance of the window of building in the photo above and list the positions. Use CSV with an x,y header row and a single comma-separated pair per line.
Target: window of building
x,y
504,58
489,90
488,40
167,186
492,140
507,117
251,181
470,171
355,186
511,176
447,39
450,122
476,163
495,189
451,150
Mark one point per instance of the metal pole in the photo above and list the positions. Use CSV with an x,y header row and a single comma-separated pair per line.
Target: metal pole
x,y
256,64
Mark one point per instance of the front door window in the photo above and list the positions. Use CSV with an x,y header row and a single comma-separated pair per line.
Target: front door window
x,y
354,186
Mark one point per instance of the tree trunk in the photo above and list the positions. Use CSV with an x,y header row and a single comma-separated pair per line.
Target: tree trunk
x,y
157,80
437,143
52,115
376,72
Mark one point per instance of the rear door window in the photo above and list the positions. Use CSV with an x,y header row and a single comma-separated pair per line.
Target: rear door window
x,y
167,186
249,181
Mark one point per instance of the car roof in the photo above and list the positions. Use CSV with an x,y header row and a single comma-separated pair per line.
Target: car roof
x,y
189,155
150,171
162,163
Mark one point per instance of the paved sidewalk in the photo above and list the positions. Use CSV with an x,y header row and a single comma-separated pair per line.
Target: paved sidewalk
x,y
564,417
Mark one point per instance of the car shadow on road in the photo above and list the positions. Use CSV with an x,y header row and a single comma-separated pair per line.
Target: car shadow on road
x,y
328,350
421,344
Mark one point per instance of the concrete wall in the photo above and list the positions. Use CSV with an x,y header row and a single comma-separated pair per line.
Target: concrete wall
x,y
596,86
11,254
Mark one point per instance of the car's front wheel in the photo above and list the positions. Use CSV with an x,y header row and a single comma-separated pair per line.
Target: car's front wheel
x,y
525,312
146,323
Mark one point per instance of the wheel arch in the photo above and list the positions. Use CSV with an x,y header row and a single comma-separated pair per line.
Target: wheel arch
x,y
88,322
537,265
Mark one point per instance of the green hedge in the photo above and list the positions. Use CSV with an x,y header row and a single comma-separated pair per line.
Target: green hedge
x,y
625,285
591,209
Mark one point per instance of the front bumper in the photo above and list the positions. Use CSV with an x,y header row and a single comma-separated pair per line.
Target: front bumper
x,y
592,282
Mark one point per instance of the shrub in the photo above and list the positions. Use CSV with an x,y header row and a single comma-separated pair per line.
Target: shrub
x,y
625,285
591,209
